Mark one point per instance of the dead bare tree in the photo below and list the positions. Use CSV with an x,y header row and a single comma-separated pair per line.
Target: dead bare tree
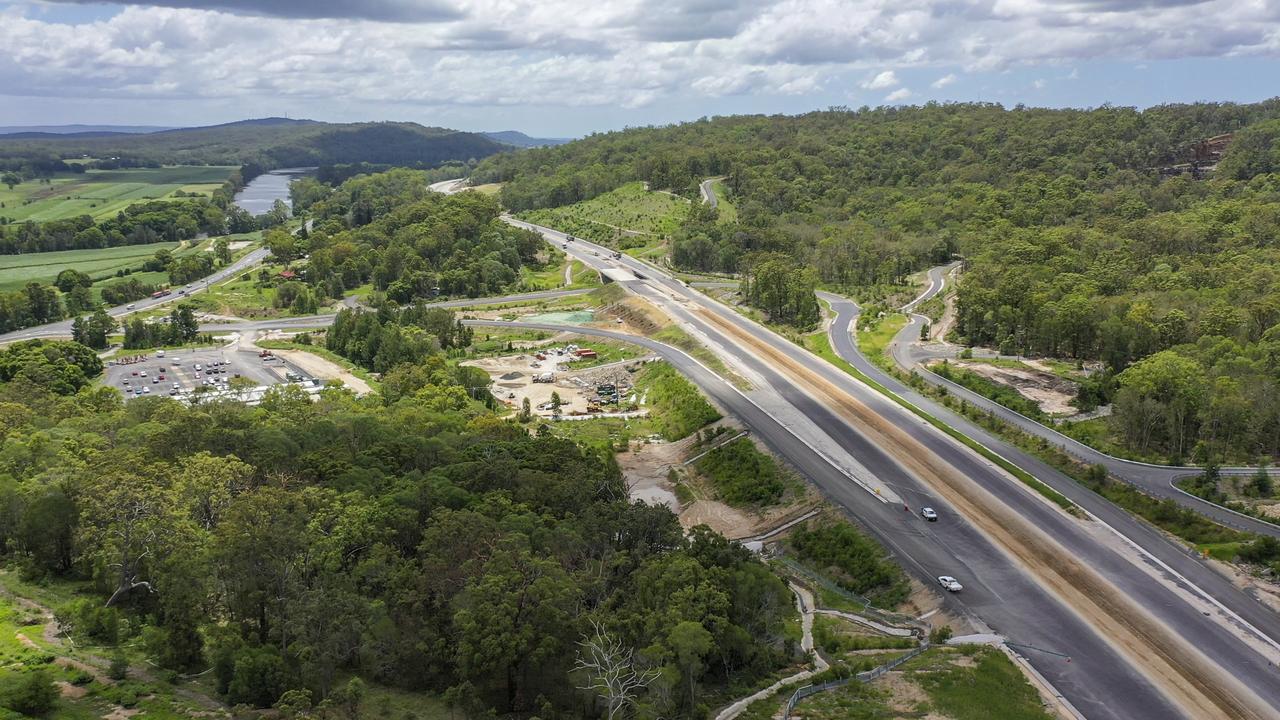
x,y
611,670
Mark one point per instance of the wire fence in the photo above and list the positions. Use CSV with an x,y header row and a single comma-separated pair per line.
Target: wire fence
x,y
866,607
868,676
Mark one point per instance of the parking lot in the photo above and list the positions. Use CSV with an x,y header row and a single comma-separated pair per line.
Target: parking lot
x,y
179,372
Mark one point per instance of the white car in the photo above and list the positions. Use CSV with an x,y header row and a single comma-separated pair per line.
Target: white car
x,y
929,514
949,583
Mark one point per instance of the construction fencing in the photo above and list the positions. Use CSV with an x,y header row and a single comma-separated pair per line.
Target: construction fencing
x,y
868,676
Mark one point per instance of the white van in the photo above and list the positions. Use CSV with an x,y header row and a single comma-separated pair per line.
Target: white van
x,y
159,353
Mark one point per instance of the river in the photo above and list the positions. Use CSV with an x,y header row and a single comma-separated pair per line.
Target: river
x,y
260,195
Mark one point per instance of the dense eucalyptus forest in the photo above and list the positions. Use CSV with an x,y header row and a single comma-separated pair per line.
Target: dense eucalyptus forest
x,y
1075,244
409,538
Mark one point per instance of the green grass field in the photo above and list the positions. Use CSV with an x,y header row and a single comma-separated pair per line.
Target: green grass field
x,y
18,270
874,337
627,217
728,212
103,193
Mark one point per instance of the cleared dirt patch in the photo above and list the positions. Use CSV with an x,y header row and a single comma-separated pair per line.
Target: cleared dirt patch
x,y
1050,392
1187,677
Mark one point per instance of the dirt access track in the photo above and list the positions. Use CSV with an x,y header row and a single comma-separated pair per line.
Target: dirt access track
x,y
1186,676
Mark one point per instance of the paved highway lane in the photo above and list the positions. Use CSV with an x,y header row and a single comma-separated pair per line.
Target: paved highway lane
x,y
1012,610
1099,682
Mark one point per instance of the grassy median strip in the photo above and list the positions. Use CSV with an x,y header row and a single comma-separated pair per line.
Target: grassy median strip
x,y
820,345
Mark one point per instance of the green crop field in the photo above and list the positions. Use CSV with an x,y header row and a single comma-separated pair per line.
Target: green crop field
x,y
18,270
103,193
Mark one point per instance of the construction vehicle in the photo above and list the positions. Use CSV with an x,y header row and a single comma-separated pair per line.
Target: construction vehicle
x,y
546,377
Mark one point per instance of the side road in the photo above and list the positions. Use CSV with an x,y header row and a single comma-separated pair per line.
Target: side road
x,y
1156,480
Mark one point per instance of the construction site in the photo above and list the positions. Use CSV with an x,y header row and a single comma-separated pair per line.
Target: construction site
x,y
554,372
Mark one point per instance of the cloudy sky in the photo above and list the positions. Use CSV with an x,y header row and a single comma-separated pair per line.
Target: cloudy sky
x,y
567,67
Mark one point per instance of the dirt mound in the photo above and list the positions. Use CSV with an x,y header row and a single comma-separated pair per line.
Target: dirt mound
x,y
635,315
513,375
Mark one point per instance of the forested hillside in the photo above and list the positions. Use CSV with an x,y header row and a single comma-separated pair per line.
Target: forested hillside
x,y
389,230
1075,244
270,143
419,543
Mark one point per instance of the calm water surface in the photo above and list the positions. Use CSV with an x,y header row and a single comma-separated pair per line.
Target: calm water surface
x,y
260,195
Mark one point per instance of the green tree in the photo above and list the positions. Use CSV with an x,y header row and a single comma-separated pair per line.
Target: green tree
x,y
11,179
222,250
1261,484
515,617
1165,386
72,278
690,643
29,693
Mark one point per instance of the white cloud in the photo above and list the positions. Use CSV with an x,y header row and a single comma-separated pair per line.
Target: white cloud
x,y
1039,83
897,96
311,54
886,79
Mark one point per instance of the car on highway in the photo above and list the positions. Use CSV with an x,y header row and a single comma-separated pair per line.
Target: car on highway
x,y
130,306
929,514
949,583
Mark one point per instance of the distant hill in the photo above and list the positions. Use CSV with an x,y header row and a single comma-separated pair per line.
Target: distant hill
x,y
519,139
268,142
81,129
60,136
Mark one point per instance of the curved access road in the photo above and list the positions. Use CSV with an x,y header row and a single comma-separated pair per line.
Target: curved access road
x,y
708,192
1122,577
1155,480
63,327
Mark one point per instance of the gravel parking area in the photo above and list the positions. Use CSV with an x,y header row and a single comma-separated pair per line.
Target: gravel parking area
x,y
178,372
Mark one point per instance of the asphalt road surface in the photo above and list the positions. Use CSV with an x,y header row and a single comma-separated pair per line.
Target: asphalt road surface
x,y
708,192
1100,681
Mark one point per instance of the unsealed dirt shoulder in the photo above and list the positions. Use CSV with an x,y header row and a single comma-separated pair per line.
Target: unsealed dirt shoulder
x,y
1186,676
